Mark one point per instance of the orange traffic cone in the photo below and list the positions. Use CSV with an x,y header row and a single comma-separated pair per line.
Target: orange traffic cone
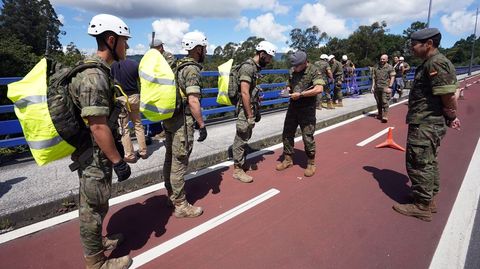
x,y
390,143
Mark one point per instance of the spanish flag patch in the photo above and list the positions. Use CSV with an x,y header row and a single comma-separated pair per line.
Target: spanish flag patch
x,y
433,73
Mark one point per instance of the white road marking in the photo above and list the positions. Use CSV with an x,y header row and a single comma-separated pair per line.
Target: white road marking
x,y
181,239
452,249
373,137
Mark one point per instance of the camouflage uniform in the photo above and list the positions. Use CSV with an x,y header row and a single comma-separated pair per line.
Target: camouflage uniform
x,y
93,92
337,71
426,124
247,72
324,66
302,111
170,58
179,131
382,75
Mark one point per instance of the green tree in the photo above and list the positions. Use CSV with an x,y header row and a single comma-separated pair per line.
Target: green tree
x,y
71,56
415,26
306,39
366,43
30,21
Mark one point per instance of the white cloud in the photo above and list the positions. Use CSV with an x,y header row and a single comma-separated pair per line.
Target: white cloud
x,y
242,24
175,9
170,31
61,18
266,27
459,22
137,49
318,15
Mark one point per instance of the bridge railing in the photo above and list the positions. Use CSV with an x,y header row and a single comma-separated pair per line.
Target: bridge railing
x,y
11,131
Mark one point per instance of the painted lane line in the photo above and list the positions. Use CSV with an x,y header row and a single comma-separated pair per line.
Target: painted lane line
x,y
452,249
373,137
181,239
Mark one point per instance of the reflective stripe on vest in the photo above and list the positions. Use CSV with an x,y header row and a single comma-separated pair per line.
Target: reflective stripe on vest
x,y
30,98
223,82
157,87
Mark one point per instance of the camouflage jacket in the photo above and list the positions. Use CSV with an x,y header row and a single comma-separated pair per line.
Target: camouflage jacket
x,y
170,58
382,75
249,72
436,76
337,68
303,81
323,66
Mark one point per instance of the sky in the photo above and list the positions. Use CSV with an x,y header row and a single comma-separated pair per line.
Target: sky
x,y
224,21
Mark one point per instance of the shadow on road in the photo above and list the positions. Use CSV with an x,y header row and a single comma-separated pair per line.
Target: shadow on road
x,y
393,184
6,186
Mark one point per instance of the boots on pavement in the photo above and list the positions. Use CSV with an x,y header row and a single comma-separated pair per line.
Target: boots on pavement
x,y
185,210
385,117
339,103
239,174
99,261
310,170
330,105
416,209
286,163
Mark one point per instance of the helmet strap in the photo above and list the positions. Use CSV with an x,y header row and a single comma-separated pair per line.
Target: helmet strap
x,y
112,50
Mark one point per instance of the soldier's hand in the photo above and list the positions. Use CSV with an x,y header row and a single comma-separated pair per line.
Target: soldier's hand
x,y
251,122
203,134
122,169
455,124
295,96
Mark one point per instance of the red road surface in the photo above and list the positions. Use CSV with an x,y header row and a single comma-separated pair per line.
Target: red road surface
x,y
340,218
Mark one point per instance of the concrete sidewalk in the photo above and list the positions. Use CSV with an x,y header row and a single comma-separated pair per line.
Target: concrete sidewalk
x,y
29,193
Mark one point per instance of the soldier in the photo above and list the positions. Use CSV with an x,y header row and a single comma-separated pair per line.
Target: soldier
x,y
432,106
337,71
348,73
248,105
179,129
305,83
383,76
93,92
125,74
401,68
327,75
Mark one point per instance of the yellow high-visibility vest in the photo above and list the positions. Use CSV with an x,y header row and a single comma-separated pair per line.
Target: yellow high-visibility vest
x,y
29,96
223,82
157,87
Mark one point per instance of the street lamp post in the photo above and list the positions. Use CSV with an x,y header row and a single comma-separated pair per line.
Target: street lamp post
x,y
429,10
473,44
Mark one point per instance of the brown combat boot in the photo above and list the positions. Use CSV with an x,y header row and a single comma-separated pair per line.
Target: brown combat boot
x,y
310,170
339,103
110,242
287,163
330,105
99,261
185,210
417,210
239,173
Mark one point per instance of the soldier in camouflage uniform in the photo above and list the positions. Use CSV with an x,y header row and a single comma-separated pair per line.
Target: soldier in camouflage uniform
x,y
383,76
248,106
327,75
93,92
337,71
432,106
179,129
305,83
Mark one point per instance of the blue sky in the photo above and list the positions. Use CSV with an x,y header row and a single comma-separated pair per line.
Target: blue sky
x,y
235,20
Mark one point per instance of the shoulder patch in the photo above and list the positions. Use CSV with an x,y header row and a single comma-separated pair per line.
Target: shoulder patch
x,y
433,73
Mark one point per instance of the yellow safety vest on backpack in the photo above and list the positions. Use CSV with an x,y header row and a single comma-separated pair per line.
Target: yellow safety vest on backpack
x,y
29,96
223,83
157,87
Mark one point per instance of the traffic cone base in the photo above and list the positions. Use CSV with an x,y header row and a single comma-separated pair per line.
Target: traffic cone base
x,y
389,142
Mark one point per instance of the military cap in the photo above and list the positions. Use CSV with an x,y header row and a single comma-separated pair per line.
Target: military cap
x,y
156,42
424,34
298,57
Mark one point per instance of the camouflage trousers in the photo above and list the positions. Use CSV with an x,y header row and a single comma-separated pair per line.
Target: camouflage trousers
x,y
423,143
95,190
244,133
178,146
305,117
337,89
383,98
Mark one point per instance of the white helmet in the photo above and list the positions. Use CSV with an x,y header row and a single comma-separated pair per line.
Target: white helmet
x,y
266,46
330,57
104,22
324,56
344,58
192,39
401,58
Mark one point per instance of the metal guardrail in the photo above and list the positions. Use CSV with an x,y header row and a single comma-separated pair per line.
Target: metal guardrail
x,y
210,106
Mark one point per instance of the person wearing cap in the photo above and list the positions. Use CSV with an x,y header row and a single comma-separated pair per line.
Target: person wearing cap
x,y
432,107
304,84
248,106
337,71
401,68
383,76
327,75
93,93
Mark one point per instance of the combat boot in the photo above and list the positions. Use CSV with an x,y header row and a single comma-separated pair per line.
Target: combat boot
x,y
339,103
287,163
385,117
99,261
112,241
417,210
330,105
319,106
310,170
185,210
239,174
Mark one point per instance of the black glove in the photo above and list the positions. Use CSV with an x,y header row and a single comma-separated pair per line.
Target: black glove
x,y
203,134
258,116
122,169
